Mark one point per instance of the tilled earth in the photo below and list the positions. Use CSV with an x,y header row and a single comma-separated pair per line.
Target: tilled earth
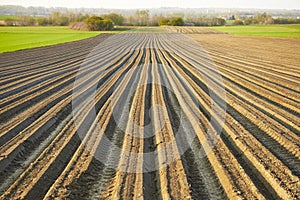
x,y
142,116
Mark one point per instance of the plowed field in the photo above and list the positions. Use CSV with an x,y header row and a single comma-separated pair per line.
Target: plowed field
x,y
152,116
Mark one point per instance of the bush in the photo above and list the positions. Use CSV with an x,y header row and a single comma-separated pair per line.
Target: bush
x,y
163,22
99,24
115,18
238,23
177,21
216,22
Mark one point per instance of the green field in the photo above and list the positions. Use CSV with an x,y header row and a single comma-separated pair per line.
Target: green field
x,y
4,17
16,38
287,31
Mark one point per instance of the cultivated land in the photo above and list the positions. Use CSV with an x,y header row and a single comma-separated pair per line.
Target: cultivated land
x,y
16,38
257,155
276,30
4,17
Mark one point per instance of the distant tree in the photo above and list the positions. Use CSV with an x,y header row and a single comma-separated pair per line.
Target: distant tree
x,y
282,20
54,18
164,21
251,20
248,21
115,18
141,17
232,17
21,20
201,21
43,21
26,20
62,21
261,18
96,23
238,23
216,22
222,22
80,17
106,25
219,22
178,21
10,22
155,20
269,20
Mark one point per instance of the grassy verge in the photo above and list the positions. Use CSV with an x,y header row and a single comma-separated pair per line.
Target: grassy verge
x,y
16,38
286,31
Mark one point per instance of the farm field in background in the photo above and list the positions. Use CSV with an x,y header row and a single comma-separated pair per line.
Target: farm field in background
x,y
49,145
4,17
17,38
286,31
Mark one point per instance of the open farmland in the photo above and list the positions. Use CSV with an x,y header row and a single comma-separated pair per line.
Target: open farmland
x,y
140,115
274,30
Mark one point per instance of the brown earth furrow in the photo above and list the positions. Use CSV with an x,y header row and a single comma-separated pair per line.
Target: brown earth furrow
x,y
288,74
255,68
259,78
261,91
280,173
58,143
203,182
265,65
88,69
81,119
227,183
291,145
173,182
31,59
18,141
38,74
80,161
14,122
279,52
21,187
236,136
127,182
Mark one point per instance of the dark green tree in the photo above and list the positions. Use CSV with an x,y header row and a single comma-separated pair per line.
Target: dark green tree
x,y
164,21
115,18
96,23
238,23
178,21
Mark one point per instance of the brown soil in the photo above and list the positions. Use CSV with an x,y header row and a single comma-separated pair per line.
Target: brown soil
x,y
44,155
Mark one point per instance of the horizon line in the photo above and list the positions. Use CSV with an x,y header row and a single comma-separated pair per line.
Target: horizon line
x,y
292,9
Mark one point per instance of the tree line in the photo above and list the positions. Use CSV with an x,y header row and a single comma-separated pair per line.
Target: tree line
x,y
264,18
142,18
139,18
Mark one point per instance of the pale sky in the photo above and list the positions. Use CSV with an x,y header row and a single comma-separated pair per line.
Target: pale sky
x,y
125,4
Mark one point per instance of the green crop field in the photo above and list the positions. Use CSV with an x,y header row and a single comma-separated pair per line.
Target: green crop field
x,y
4,17
289,31
16,38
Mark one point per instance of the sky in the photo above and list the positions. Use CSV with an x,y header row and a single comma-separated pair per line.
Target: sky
x,y
127,4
